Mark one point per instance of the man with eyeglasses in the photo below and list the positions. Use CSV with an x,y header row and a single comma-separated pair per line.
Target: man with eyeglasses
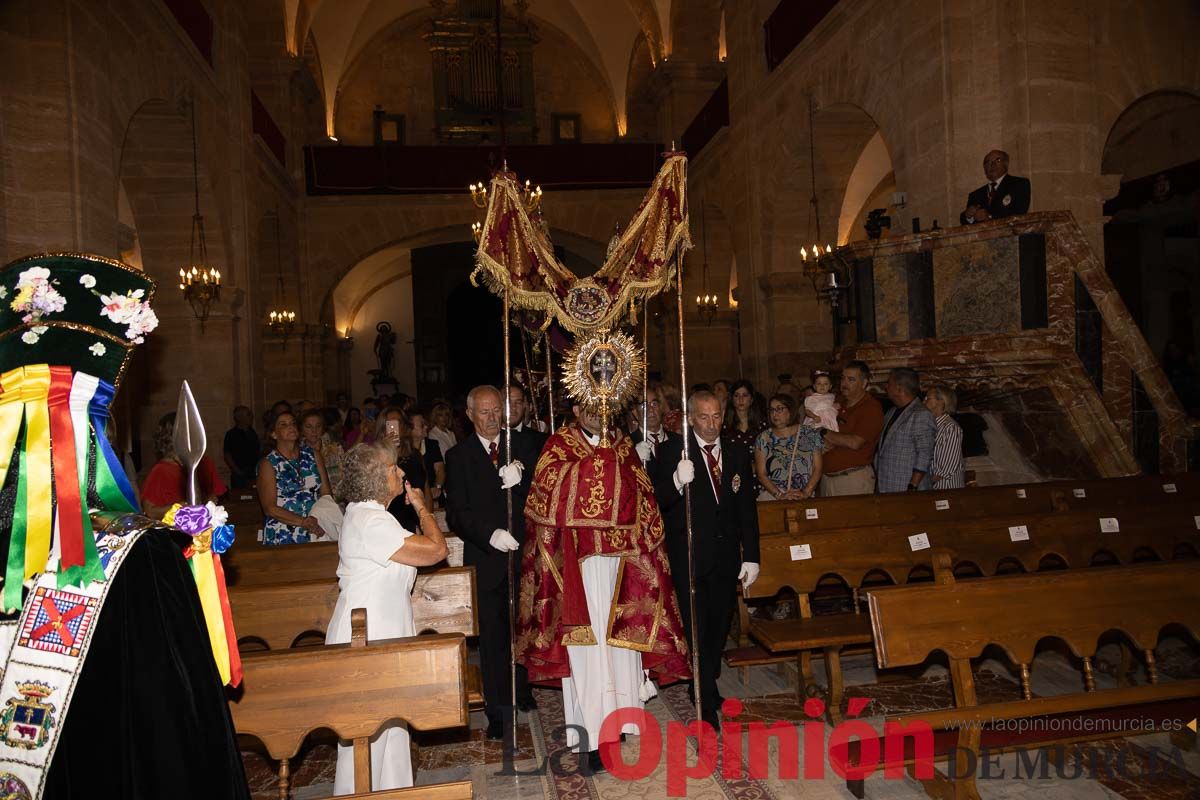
x,y
649,445
1003,195
724,533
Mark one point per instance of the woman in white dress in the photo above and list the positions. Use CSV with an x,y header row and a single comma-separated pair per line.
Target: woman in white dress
x,y
377,561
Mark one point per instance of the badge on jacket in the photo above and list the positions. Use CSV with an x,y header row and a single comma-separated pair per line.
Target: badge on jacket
x,y
1007,201
736,483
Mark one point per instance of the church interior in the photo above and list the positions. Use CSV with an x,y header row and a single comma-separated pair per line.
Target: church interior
x,y
293,176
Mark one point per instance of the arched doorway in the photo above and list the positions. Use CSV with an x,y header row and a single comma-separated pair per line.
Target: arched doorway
x,y
447,332
1152,239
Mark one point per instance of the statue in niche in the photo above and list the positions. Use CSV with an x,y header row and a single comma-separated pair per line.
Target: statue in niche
x,y
385,348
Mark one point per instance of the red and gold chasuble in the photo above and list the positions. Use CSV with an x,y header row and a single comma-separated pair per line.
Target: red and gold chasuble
x,y
588,501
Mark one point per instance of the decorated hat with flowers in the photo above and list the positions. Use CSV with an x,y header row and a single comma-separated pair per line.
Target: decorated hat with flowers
x,y
68,324
71,309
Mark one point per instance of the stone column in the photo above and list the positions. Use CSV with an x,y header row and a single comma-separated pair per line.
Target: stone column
x,y
680,89
57,185
799,328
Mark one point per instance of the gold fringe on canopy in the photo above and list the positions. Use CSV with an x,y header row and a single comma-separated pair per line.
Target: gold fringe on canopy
x,y
516,256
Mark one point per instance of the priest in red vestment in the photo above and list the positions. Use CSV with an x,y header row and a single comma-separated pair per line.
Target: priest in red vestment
x,y
598,611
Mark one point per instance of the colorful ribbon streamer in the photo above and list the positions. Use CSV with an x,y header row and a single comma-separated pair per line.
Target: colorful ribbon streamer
x,y
205,564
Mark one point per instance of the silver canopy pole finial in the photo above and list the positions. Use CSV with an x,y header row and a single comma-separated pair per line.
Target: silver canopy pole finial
x,y
189,439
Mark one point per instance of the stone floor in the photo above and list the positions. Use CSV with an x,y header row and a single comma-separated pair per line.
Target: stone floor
x,y
1136,768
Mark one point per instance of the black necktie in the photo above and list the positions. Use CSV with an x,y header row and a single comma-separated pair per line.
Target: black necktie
x,y
991,191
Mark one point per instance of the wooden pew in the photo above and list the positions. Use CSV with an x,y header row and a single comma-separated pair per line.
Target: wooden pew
x,y
277,615
801,562
835,513
354,689
961,618
249,563
1119,494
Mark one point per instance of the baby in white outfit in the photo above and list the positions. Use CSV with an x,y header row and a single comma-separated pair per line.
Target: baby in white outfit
x,y
820,408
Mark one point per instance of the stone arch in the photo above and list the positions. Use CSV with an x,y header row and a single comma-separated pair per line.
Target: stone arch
x,y
343,231
869,185
1152,134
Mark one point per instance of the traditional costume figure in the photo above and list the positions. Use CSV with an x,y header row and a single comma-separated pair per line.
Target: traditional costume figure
x,y
112,685
598,610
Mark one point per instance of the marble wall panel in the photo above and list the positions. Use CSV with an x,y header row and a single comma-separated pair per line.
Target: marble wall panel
x,y
891,298
977,287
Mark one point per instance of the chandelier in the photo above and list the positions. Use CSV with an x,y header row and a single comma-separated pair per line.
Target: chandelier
x,y
707,304
532,196
281,319
199,281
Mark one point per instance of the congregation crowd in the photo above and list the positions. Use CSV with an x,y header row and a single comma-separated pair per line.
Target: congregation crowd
x,y
803,442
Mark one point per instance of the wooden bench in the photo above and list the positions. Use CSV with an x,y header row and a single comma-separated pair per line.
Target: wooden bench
x,y
984,547
250,563
1015,613
354,689
836,513
1120,494
278,615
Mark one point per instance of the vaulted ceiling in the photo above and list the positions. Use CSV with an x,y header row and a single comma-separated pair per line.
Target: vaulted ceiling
x,y
606,32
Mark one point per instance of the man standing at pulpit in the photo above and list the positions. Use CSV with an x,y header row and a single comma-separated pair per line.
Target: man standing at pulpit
x,y
598,610
1003,195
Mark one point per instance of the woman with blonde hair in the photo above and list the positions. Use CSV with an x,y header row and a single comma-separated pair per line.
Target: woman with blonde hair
x,y
377,565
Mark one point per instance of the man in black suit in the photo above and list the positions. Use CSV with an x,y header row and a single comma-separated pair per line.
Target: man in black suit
x,y
724,533
477,473
1003,195
648,447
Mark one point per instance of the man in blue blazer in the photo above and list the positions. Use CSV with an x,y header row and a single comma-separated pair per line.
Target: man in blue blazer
x,y
905,453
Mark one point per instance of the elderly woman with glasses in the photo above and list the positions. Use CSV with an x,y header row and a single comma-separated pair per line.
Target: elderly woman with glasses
x,y
377,566
787,455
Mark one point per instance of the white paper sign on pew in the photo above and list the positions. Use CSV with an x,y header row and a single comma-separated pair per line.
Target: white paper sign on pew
x,y
800,552
1021,493
1169,488
918,541
810,513
1109,525
1018,533
1079,492
941,505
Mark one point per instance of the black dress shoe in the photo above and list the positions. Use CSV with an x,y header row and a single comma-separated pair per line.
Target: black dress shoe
x,y
528,704
495,730
595,764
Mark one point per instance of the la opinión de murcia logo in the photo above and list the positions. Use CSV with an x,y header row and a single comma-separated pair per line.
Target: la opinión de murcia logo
x,y
856,749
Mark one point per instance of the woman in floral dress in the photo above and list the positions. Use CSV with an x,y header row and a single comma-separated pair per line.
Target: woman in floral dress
x,y
787,456
290,479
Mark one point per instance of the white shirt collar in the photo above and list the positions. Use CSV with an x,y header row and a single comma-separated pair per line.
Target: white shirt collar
x,y
717,442
998,180
660,434
487,443
518,427
592,438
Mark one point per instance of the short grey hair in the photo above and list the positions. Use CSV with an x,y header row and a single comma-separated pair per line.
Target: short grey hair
x,y
703,394
481,389
364,472
945,395
907,379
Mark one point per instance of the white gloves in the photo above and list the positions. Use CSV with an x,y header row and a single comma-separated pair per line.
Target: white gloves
x,y
645,451
503,541
685,473
510,474
749,574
